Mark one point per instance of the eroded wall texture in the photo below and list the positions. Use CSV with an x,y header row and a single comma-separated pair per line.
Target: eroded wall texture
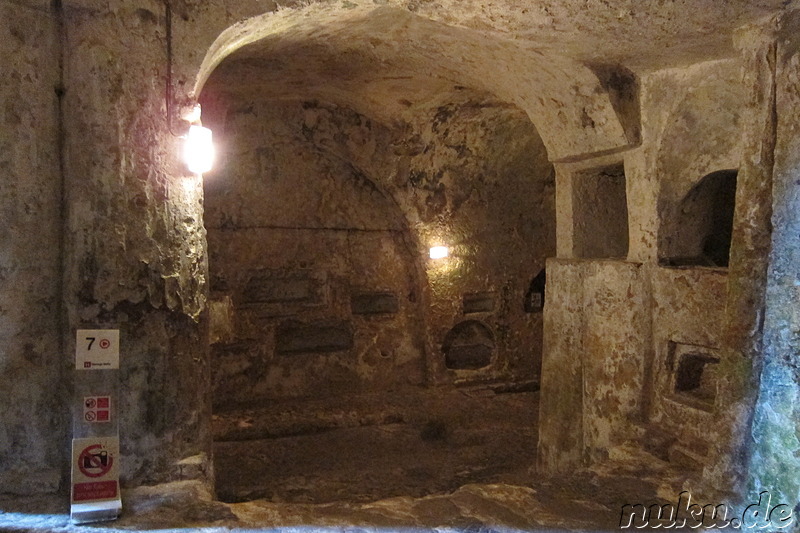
x,y
688,347
774,440
134,238
317,261
320,221
668,338
33,422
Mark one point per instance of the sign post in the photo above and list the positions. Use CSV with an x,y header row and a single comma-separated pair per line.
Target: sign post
x,y
95,494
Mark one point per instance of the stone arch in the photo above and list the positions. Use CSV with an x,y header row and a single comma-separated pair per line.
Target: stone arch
x,y
384,50
704,222
700,136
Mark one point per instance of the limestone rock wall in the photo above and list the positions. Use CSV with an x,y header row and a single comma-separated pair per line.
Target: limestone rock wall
x,y
690,128
688,317
701,134
774,440
357,215
596,319
482,185
317,261
134,237
33,423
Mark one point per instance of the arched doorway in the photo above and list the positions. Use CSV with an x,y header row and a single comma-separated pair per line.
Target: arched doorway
x,y
328,314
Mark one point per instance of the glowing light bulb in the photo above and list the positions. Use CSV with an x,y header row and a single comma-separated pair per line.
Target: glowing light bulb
x,y
198,150
439,252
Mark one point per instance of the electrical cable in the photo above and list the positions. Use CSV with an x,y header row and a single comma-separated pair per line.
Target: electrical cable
x,y
168,91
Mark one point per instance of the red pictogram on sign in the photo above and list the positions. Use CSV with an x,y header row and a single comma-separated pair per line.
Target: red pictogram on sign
x,y
94,461
105,343
97,409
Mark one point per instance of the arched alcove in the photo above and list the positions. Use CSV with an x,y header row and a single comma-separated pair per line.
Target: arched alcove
x,y
701,231
316,261
469,345
701,138
337,171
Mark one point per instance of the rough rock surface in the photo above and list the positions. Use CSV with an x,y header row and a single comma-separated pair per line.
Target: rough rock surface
x,y
776,428
31,367
585,501
298,242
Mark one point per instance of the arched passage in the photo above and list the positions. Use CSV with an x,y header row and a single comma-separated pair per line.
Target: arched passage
x,y
337,174
385,61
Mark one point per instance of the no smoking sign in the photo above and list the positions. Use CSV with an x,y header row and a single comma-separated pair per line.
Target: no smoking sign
x,y
97,349
97,409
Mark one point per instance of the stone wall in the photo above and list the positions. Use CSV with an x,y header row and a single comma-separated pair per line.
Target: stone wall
x,y
33,422
135,255
774,440
482,185
319,192
317,261
596,324
690,128
688,317
700,134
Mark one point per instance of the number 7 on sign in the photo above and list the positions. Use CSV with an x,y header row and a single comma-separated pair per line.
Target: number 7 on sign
x,y
97,349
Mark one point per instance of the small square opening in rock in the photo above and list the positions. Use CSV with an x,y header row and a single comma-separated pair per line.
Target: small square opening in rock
x,y
696,376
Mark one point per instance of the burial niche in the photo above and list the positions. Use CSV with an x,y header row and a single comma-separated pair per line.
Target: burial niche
x,y
600,213
469,345
701,230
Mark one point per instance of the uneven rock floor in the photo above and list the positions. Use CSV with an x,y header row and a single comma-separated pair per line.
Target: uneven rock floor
x,y
463,465
371,447
587,501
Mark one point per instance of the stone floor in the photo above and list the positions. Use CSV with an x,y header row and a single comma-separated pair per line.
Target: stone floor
x,y
586,501
370,447
445,461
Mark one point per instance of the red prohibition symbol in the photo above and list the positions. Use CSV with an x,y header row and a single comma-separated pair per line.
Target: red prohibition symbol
x,y
93,463
105,343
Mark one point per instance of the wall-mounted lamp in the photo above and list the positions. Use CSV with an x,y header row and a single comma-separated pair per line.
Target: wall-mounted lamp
x,y
198,150
439,252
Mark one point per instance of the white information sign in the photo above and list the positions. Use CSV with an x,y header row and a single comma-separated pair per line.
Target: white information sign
x,y
97,349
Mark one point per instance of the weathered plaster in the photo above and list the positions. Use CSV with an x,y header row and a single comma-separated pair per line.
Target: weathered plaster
x,y
775,462
32,421
596,318
748,269
135,244
688,310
